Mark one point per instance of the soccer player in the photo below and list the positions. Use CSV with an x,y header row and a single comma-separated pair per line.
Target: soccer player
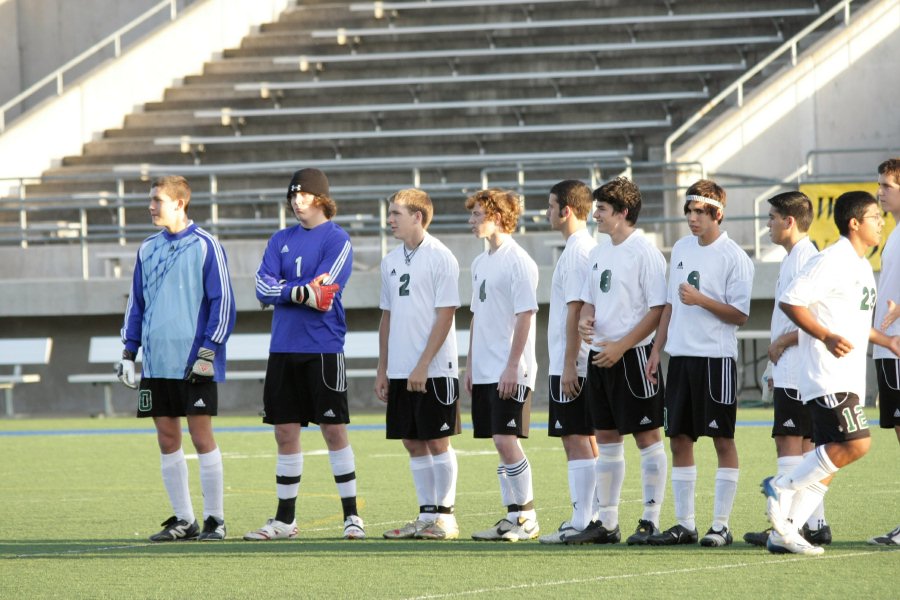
x,y
501,365
417,374
181,312
790,216
568,207
303,272
887,367
624,294
831,301
710,279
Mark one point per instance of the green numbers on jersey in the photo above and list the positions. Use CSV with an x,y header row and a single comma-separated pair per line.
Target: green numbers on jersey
x,y
694,279
868,299
605,280
855,420
404,284
482,294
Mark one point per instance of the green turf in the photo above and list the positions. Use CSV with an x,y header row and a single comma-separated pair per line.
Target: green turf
x,y
77,510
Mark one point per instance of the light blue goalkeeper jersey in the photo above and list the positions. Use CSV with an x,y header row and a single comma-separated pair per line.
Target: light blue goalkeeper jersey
x,y
181,299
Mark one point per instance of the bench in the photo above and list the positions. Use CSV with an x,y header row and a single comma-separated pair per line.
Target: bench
x,y
17,353
241,347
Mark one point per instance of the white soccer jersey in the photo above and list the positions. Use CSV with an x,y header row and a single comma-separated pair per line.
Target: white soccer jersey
x,y
568,277
889,283
504,284
721,271
623,282
412,293
786,372
838,287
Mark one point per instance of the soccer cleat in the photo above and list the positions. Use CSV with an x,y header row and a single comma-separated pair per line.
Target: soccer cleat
x,y
644,530
273,530
557,536
715,539
773,506
757,538
353,528
676,535
523,530
791,544
213,529
817,537
442,529
891,538
408,531
594,533
176,530
495,533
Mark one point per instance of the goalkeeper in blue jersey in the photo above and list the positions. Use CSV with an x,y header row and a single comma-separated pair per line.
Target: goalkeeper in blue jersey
x,y
180,312
303,272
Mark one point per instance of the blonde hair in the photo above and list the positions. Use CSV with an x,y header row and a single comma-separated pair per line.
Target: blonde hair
x,y
174,186
415,200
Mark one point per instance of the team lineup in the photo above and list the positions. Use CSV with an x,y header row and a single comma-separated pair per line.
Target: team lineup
x,y
616,309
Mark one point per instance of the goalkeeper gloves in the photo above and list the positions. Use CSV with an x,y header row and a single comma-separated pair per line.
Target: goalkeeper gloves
x,y
316,294
125,369
203,371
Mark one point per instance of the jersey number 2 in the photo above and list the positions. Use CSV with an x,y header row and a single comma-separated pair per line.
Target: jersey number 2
x,y
868,299
404,284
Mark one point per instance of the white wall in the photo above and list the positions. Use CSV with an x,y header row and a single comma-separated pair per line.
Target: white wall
x,y
100,101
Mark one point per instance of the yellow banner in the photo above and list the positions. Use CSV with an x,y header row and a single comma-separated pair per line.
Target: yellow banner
x,y
823,232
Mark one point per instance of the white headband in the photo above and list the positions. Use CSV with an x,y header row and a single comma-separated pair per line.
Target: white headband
x,y
705,200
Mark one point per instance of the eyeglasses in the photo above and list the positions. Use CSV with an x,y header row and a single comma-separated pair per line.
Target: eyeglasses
x,y
877,216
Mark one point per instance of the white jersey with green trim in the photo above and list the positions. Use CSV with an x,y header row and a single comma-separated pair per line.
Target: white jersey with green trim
x,y
568,278
786,372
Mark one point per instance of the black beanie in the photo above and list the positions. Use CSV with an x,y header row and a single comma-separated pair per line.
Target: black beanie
x,y
311,181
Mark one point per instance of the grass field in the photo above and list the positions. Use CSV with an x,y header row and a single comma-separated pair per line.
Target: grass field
x,y
79,498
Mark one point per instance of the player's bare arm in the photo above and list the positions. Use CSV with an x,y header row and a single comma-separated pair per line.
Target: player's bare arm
x,y
892,314
569,381
509,379
586,323
381,380
442,322
726,313
468,377
891,342
662,334
611,352
777,348
805,320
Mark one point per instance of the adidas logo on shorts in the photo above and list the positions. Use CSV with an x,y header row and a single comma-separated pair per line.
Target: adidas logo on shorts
x,y
328,413
512,423
200,403
897,413
645,421
713,424
558,425
445,427
788,423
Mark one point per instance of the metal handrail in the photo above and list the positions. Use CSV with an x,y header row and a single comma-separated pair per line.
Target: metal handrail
x,y
114,38
738,85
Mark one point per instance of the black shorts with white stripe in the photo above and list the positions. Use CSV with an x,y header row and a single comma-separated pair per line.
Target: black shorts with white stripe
x,y
838,418
493,415
792,416
159,397
621,397
568,416
305,388
701,397
887,371
430,415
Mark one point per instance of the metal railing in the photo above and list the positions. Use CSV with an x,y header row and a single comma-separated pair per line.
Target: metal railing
x,y
738,86
115,40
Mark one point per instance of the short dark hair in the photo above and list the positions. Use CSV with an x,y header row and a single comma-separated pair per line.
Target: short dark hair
x,y
891,168
708,189
621,193
794,204
574,194
851,205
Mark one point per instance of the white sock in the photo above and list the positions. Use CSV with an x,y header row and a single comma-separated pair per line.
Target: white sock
x,y
726,490
806,501
582,485
175,479
519,477
817,519
654,468
422,468
288,472
212,482
610,475
786,464
684,479
506,496
815,466
343,467
446,470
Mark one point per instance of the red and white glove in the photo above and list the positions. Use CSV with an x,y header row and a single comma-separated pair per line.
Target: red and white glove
x,y
203,370
316,295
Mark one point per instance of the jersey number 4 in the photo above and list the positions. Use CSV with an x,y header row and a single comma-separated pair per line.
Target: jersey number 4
x,y
482,294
